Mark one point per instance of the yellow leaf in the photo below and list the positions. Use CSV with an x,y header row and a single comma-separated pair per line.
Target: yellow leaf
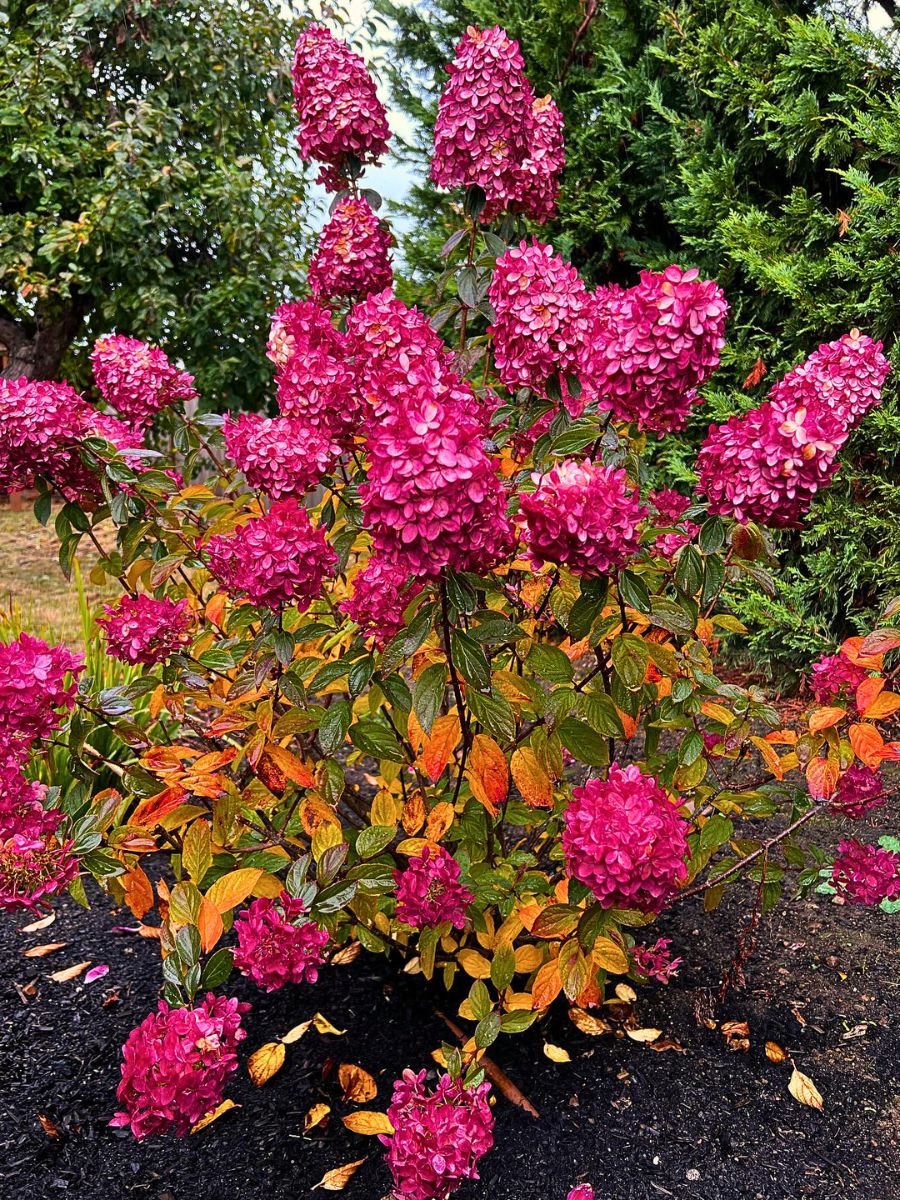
x,y
528,959
358,1085
266,1062
323,1025
593,1026
610,957
803,1089
716,712
626,993
368,1123
337,1180
487,773
315,1116
439,821
644,1035
474,964
196,852
386,809
214,1115
295,1034
70,972
229,890
413,847
347,954
556,1053
324,838
533,782
774,1052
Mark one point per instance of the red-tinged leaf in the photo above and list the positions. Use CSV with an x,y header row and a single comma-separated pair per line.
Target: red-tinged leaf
x,y
759,369
822,775
867,692
852,650
488,773
867,743
883,706
824,718
292,767
879,641
152,810
438,747
138,891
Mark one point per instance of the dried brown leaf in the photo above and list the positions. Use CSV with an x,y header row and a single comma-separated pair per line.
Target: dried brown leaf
x,y
358,1085
70,972
337,1180
40,951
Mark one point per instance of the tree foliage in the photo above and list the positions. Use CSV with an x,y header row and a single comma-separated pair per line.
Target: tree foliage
x,y
146,183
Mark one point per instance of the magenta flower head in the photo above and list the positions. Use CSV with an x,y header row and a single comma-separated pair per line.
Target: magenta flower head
x,y
439,1137
626,840
353,258
137,379
536,185
866,874
339,115
429,891
859,791
670,508
584,1191
32,869
835,677
41,423
276,558
845,376
21,800
142,629
175,1065
653,345
542,320
314,378
656,961
381,592
277,944
583,516
282,456
33,686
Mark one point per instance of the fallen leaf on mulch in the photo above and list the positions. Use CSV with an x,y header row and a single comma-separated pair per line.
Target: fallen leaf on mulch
x,y
358,1085
214,1115
644,1035
265,1062
70,972
346,955
737,1035
593,1026
337,1180
315,1116
295,1034
626,993
774,1052
323,1025
40,951
368,1123
803,1089
556,1053
51,1130
666,1044
41,924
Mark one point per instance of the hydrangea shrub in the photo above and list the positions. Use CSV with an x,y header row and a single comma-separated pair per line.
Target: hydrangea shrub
x,y
430,659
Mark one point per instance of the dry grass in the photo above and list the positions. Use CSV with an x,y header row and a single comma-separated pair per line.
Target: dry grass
x,y
32,582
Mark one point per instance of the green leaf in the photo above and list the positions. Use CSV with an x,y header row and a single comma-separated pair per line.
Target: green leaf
x,y
634,591
495,714
550,663
689,570
333,726
716,832
671,616
470,661
583,742
376,739
630,659
217,969
372,840
503,966
712,535
428,694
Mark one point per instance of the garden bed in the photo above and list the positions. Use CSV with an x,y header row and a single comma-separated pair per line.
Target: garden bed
x,y
707,1122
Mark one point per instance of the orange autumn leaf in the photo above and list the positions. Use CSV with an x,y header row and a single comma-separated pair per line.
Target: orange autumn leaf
x,y
209,922
138,891
315,813
884,705
438,747
359,1086
439,821
824,718
756,374
487,773
547,985
852,649
265,1062
867,743
337,1180
292,767
413,816
152,810
867,692
770,758
822,775
533,782
629,723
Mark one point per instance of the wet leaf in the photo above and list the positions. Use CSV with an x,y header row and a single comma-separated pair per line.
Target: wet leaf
x,y
70,972
337,1180
556,1053
803,1089
584,1021
41,951
368,1123
214,1115
358,1085
265,1062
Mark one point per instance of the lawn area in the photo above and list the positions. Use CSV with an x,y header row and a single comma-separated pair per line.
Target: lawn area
x,y
32,584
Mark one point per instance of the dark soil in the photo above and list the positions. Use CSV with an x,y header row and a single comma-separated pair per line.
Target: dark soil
x,y
708,1123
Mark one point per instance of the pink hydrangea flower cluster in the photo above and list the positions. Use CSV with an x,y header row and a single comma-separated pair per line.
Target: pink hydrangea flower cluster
x,y
176,1063
439,1137
21,800
542,320
584,516
866,874
277,944
654,344
492,133
656,961
429,891
276,558
34,868
142,629
433,497
835,677
339,115
671,507
40,426
353,258
314,376
859,791
768,465
137,379
625,839
845,376
381,592
583,1191
33,686
282,456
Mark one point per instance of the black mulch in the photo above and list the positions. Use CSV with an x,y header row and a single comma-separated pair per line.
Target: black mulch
x,y
709,1123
